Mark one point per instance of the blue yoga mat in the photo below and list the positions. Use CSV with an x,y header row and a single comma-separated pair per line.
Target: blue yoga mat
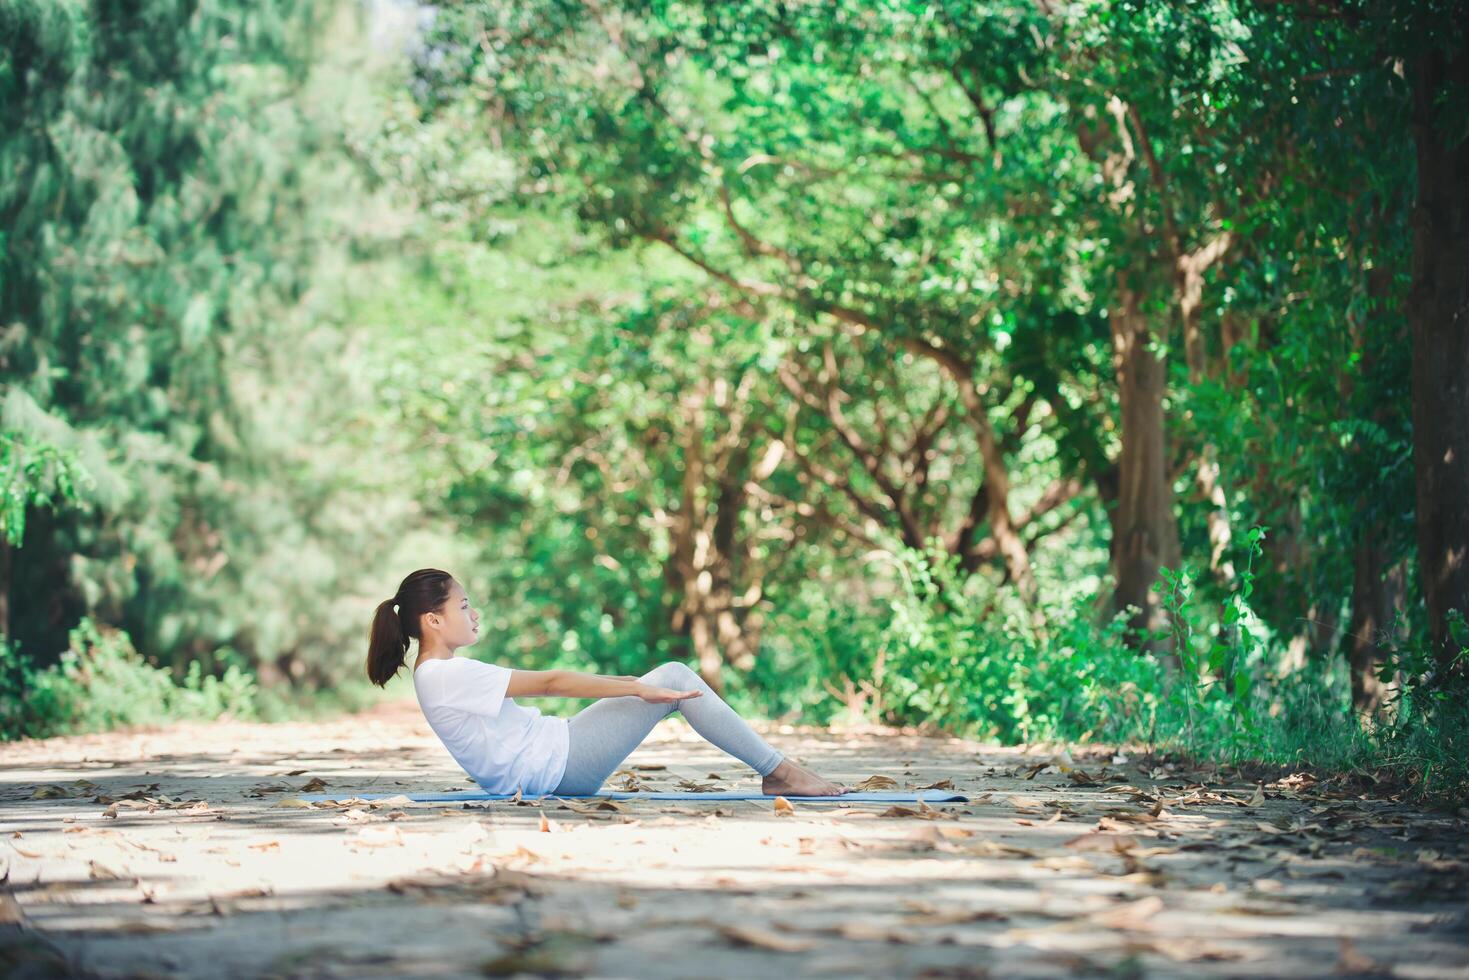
x,y
928,796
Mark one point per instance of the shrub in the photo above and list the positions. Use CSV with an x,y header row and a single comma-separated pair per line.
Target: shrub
x,y
101,682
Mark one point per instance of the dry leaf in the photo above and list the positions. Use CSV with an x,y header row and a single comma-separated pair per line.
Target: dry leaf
x,y
51,792
545,823
764,939
871,932
1258,797
689,786
899,811
875,783
930,916
989,848
578,806
1070,862
1130,916
291,803
1102,843
941,784
377,835
316,785
100,872
783,807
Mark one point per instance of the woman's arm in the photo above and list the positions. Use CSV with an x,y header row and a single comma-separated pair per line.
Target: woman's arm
x,y
571,684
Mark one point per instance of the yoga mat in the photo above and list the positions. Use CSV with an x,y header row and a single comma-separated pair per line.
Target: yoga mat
x,y
928,796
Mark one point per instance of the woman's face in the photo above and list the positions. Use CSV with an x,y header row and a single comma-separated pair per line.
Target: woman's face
x,y
459,622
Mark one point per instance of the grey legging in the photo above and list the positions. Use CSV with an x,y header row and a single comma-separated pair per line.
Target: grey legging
x,y
605,732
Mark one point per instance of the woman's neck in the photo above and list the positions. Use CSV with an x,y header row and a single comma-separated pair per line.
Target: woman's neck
x,y
434,653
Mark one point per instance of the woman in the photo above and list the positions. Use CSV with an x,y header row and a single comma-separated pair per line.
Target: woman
x,y
506,747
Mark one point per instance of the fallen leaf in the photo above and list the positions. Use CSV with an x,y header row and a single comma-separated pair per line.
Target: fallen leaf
x,y
941,784
316,785
871,932
291,803
764,939
1067,862
874,783
101,872
689,786
1130,916
1102,843
900,811
989,848
1258,797
579,806
51,792
783,807
953,917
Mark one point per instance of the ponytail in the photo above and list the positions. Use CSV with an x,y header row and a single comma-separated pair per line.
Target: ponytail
x,y
396,621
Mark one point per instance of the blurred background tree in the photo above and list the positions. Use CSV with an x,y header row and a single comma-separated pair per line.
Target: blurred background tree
x,y
1053,371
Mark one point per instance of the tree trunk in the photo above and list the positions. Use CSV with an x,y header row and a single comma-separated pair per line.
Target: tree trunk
x,y
691,544
714,567
1146,529
5,559
1189,284
997,498
1438,310
1377,596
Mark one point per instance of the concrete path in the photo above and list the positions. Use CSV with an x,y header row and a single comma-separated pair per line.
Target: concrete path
x,y
184,852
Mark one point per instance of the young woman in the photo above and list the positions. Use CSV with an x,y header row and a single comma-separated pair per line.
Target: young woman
x,y
505,747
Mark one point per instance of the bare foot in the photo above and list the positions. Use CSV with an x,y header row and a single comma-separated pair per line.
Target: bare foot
x,y
789,779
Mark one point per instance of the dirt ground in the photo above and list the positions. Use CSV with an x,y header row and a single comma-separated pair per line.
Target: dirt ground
x,y
186,852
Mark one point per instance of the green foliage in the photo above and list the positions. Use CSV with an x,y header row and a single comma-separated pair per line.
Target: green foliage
x,y
102,683
34,474
537,303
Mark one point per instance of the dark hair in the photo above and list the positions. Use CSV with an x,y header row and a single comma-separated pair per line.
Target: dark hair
x,y
396,621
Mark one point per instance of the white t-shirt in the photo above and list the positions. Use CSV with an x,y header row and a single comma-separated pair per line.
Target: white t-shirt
x,y
502,745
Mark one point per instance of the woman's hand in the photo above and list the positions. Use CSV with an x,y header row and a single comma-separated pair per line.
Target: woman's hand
x,y
663,695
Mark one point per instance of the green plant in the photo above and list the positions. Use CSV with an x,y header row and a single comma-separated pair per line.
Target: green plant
x,y
101,682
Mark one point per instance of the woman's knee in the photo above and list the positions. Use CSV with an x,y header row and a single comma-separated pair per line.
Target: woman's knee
x,y
672,674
